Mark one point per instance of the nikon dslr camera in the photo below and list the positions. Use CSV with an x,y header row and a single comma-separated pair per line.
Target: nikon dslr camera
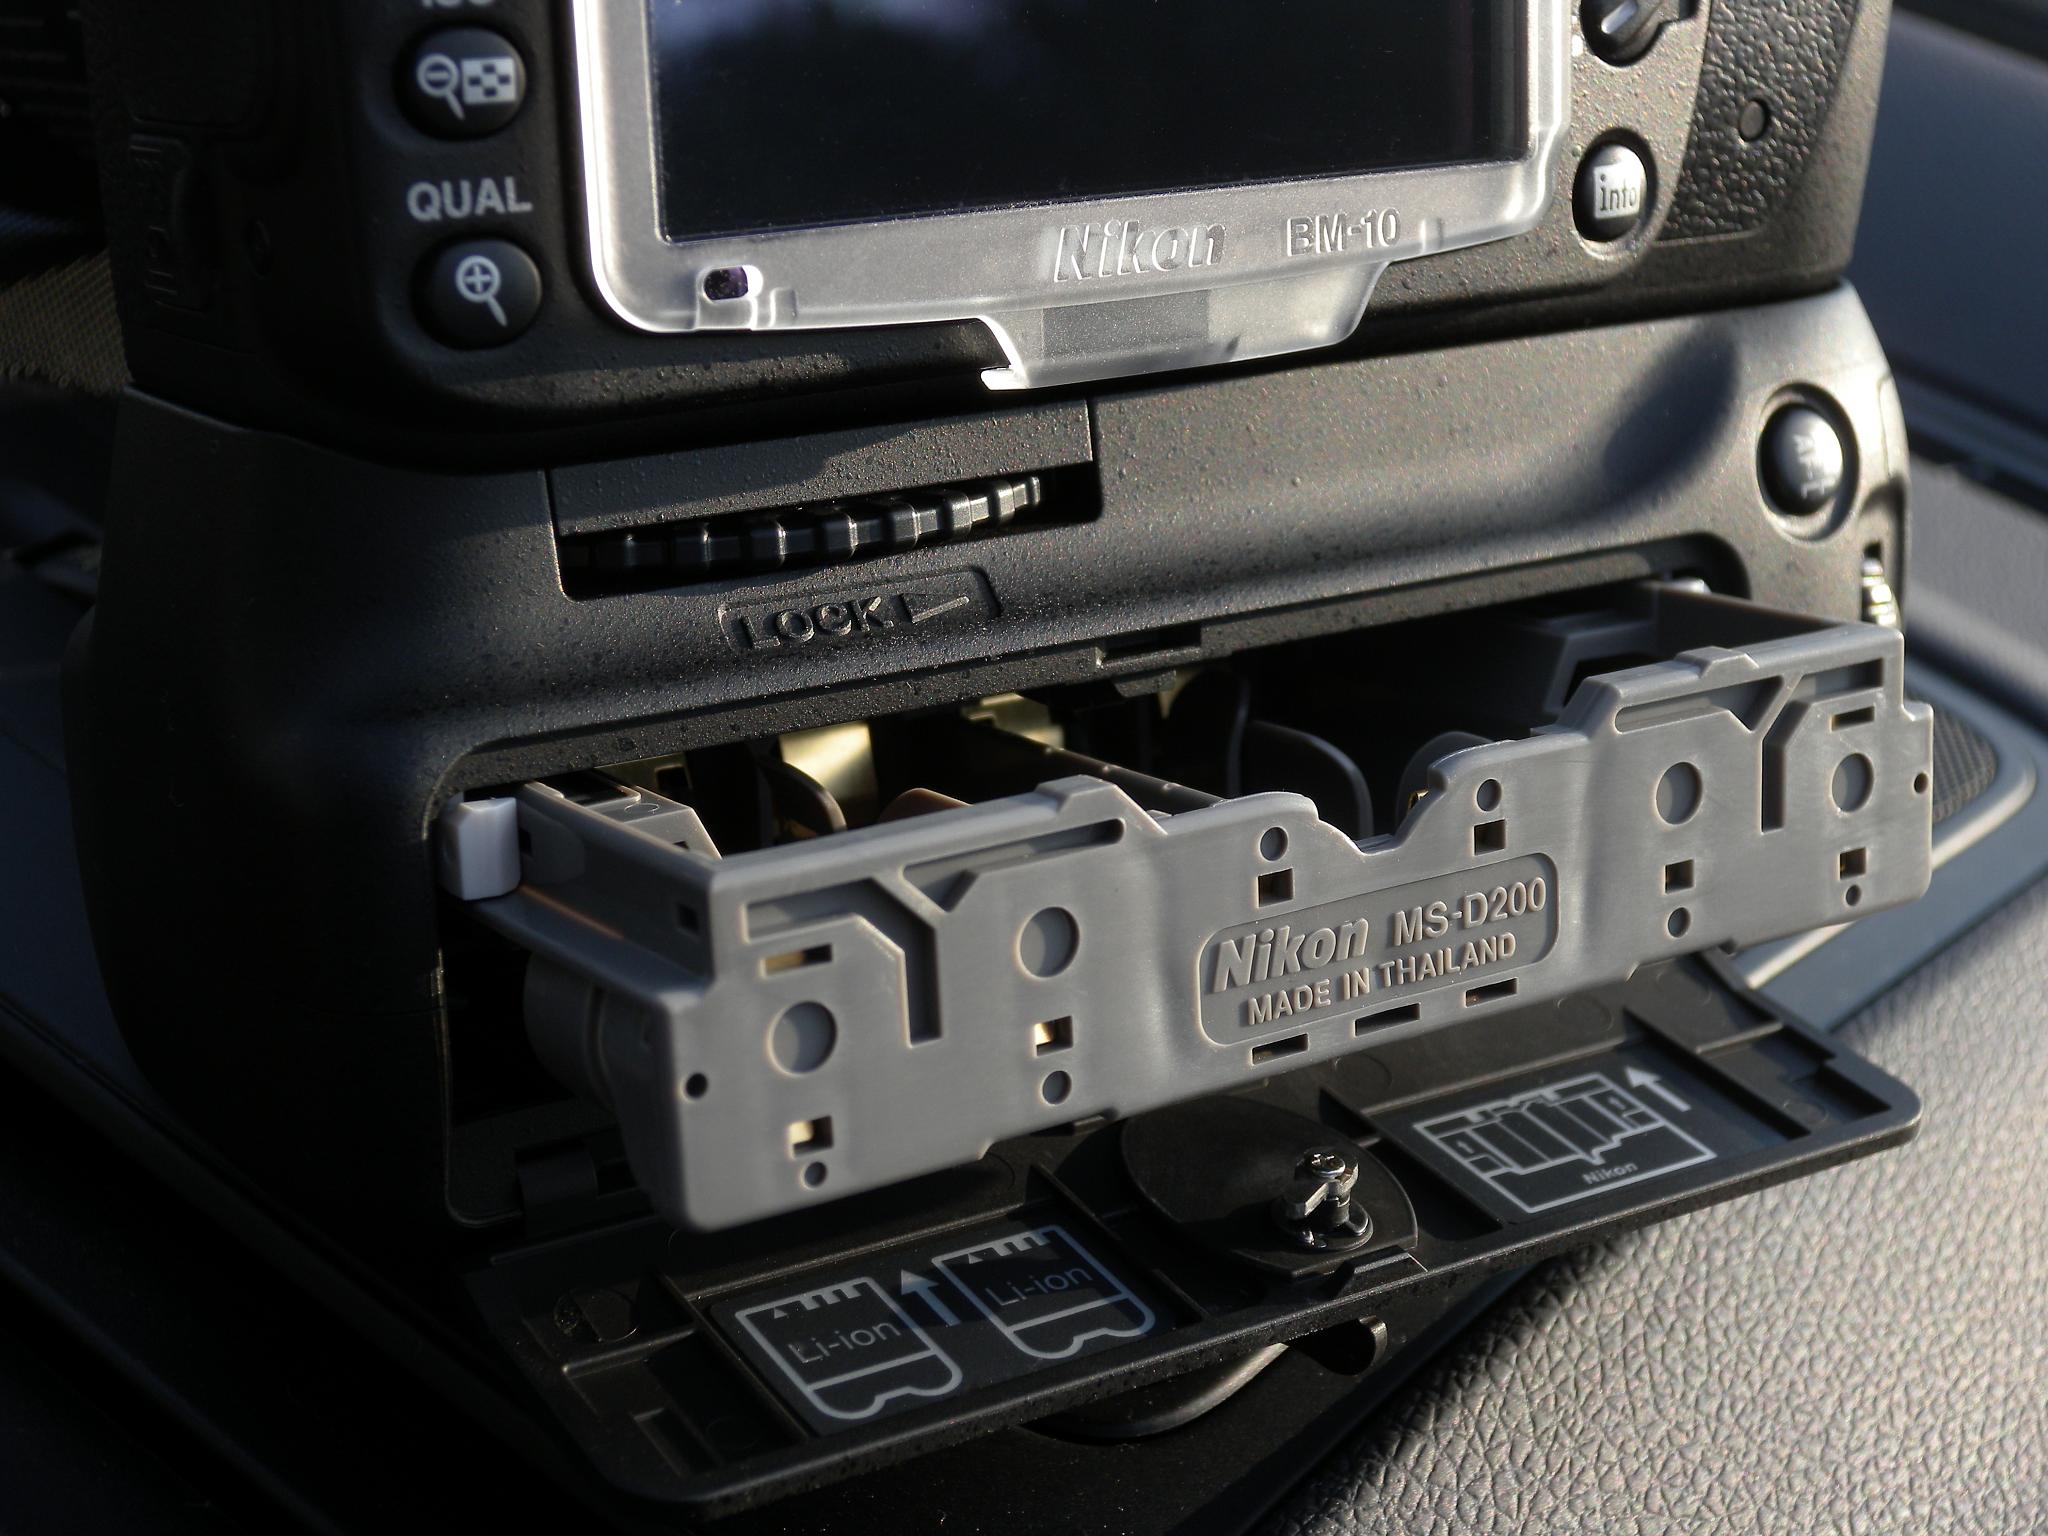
x,y
889,717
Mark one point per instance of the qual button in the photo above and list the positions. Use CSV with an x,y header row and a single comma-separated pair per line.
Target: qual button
x,y
479,293
462,83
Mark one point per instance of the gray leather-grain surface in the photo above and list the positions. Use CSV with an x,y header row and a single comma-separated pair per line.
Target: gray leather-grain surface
x,y
1862,1351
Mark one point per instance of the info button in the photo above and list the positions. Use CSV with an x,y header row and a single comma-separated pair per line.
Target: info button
x,y
1612,193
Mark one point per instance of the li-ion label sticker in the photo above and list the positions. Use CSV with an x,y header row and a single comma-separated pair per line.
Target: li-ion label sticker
x,y
850,1349
917,1325
1045,1293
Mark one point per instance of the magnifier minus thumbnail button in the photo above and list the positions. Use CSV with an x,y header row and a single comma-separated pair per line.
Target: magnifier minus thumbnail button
x,y
479,293
462,83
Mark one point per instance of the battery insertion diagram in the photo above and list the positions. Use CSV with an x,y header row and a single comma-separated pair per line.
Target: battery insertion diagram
x,y
1569,1141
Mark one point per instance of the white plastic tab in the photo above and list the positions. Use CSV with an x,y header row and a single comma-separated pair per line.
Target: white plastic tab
x,y
476,848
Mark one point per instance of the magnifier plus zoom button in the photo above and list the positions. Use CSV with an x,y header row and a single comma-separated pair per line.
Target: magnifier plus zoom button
x,y
462,83
479,293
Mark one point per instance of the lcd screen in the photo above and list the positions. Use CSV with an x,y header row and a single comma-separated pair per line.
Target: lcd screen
x,y
780,114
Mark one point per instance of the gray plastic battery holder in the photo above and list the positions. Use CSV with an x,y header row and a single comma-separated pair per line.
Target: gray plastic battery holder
x,y
812,1020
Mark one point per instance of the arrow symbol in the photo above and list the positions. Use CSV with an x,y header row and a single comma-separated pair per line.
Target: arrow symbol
x,y
1637,1078
920,609
916,1285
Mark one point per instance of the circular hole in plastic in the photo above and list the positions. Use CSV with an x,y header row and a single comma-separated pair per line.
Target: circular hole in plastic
x,y
1853,895
724,283
814,1175
1681,920
1920,782
803,1037
1853,778
1678,793
1274,844
1488,798
696,1085
1056,1087
1047,943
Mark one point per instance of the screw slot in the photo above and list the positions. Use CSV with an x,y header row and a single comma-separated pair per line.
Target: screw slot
x,y
1316,1210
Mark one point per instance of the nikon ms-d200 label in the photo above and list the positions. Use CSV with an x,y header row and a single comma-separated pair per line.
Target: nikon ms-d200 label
x,y
1460,929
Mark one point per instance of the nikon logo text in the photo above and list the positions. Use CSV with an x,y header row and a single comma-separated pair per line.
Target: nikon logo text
x,y
1275,952
1127,248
